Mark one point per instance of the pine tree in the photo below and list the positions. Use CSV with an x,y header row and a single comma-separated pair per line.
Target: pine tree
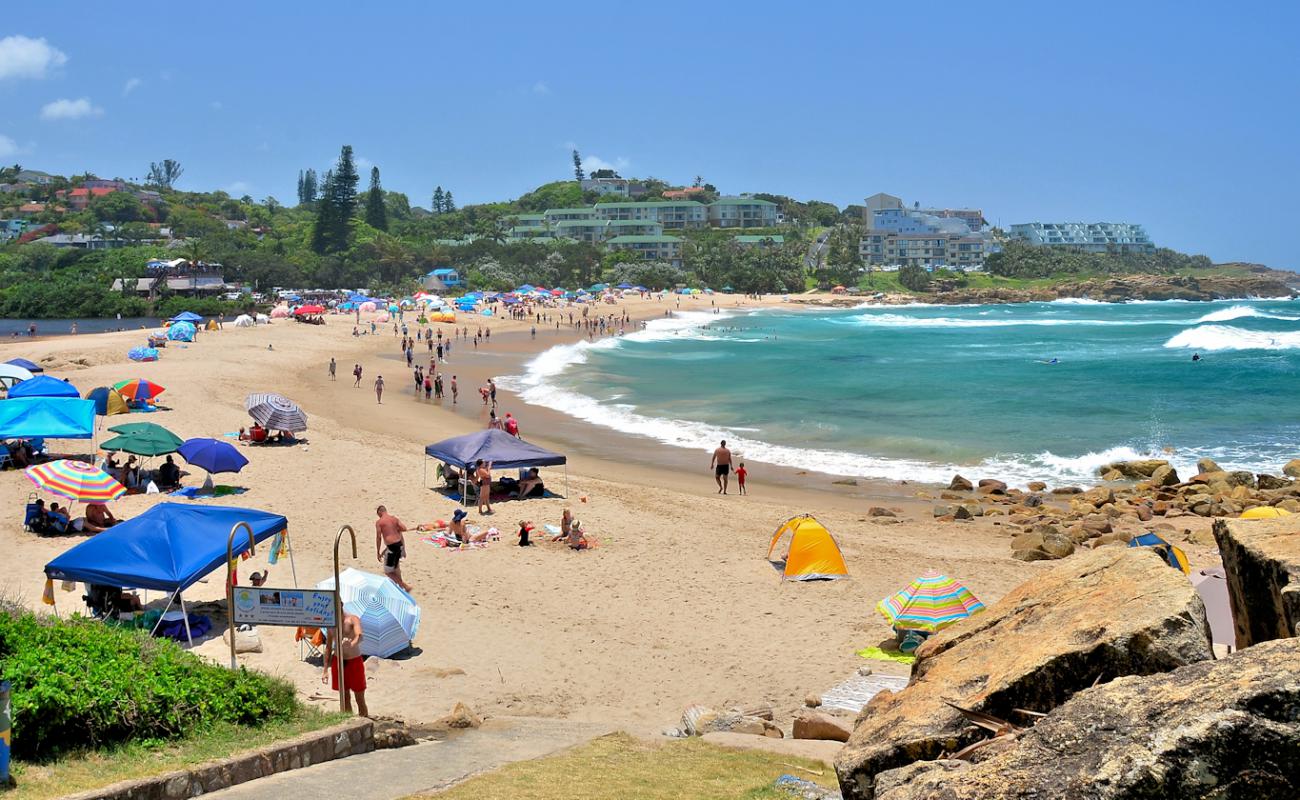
x,y
447,205
376,214
577,166
301,196
437,200
333,231
309,186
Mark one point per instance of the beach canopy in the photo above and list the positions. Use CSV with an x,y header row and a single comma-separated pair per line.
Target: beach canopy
x,y
275,411
138,389
929,603
243,321
212,455
30,366
500,448
309,309
167,548
12,373
47,418
107,402
143,439
1172,555
76,480
389,616
142,353
44,386
187,316
813,554
181,332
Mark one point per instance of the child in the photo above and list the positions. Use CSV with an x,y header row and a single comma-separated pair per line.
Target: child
x,y
577,540
741,472
524,529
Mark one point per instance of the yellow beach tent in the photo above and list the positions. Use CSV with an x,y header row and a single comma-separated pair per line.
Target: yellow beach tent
x,y
1265,512
811,554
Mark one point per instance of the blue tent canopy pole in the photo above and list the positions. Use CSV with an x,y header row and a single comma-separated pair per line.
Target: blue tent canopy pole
x,y
498,447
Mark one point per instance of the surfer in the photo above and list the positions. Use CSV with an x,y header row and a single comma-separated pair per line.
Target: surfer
x,y
1045,361
1196,356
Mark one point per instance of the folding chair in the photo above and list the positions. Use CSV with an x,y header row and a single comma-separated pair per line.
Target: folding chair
x,y
33,517
312,640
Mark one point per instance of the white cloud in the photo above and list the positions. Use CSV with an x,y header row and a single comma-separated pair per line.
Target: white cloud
x,y
70,109
131,85
362,164
21,57
595,162
541,88
8,147
239,189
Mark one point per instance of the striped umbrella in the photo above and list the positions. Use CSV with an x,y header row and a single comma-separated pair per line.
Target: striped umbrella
x,y
929,603
389,616
76,480
138,389
276,412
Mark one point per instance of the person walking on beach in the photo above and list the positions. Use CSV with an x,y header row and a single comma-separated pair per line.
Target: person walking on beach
x,y
428,388
437,387
356,373
741,472
721,466
483,480
455,392
354,666
492,392
333,369
379,389
390,545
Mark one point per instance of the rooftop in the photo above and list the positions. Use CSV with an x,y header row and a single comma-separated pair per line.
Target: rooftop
x,y
741,201
643,240
583,210
651,204
777,238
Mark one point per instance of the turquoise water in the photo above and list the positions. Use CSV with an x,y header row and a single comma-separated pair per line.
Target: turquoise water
x,y
917,392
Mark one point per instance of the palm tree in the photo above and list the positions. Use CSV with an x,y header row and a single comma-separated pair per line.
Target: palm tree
x,y
195,250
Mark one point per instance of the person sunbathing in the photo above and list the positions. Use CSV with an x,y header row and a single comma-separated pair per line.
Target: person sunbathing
x,y
532,483
456,528
98,515
58,518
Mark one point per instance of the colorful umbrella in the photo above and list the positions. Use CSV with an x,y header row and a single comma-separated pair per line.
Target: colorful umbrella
x,y
76,480
138,389
389,616
181,331
276,412
154,441
142,353
303,310
212,455
929,603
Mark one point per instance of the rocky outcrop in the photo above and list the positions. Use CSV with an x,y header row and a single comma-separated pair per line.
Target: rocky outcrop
x,y
1134,470
1262,559
1127,287
1104,614
1225,729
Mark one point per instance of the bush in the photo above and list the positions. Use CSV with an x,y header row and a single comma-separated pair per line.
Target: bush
x,y
81,684
914,278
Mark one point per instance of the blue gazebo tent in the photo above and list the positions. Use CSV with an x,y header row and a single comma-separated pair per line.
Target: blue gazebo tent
x,y
43,386
47,418
187,316
30,366
500,448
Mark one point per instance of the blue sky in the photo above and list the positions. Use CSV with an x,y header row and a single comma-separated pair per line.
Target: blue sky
x,y
1182,116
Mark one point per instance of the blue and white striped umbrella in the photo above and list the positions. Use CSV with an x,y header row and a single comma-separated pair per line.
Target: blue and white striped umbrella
x,y
389,616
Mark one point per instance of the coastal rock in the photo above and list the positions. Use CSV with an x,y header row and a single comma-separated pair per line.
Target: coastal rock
x,y
1268,482
1032,501
1058,545
942,511
812,701
1209,477
460,718
1110,612
1292,468
816,725
1207,465
992,486
1029,540
1241,477
1134,470
877,511
1034,554
1164,476
1037,486
1215,729
1067,490
960,484
1262,560
1112,475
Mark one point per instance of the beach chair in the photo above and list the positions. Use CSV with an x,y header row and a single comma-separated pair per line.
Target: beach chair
x,y
311,642
34,516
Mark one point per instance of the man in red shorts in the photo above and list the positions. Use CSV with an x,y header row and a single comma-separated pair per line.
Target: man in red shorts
x,y
354,666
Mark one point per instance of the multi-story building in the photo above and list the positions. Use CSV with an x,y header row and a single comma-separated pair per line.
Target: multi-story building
x,y
582,230
973,217
34,176
554,215
603,186
525,220
1091,237
929,250
742,212
633,227
878,202
650,248
669,213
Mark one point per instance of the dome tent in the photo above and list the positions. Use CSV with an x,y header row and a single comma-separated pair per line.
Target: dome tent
x,y
812,554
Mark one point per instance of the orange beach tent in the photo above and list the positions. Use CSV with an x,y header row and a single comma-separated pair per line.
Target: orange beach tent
x,y
812,553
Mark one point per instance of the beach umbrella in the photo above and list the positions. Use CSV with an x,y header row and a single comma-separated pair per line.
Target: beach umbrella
x,y
929,603
389,616
147,428
212,455
44,386
138,389
367,306
243,321
276,412
187,316
11,374
145,441
181,331
142,353
76,480
310,309
30,366
280,312
625,285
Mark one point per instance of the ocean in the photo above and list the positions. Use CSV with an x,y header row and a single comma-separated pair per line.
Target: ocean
x,y
59,327
920,392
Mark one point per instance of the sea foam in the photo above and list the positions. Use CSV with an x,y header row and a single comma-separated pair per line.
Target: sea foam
x,y
1227,337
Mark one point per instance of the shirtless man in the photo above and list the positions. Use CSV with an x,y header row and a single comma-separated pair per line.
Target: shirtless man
x,y
354,666
721,466
390,545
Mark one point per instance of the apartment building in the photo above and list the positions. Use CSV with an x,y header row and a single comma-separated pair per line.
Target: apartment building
x,y
1090,237
650,248
742,212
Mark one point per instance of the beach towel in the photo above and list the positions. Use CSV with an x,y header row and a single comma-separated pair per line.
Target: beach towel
x,y
195,492
877,654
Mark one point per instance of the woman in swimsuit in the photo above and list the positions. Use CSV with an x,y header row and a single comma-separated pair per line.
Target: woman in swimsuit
x,y
483,477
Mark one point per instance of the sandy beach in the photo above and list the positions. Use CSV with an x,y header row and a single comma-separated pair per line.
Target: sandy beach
x,y
676,605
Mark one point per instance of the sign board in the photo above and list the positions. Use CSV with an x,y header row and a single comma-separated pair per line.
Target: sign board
x,y
264,605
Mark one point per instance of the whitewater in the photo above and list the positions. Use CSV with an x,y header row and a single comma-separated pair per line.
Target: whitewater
x,y
920,392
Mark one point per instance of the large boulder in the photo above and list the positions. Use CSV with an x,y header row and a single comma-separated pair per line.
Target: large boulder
x,y
1228,730
1102,614
1262,559
1138,470
960,484
1292,468
816,725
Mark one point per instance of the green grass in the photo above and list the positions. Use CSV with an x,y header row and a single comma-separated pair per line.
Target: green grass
x,y
620,765
91,770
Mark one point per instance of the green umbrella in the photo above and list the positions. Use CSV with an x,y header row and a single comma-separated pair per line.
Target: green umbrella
x,y
145,442
140,427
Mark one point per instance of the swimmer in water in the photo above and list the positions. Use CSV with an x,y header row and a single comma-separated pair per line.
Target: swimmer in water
x,y
1196,356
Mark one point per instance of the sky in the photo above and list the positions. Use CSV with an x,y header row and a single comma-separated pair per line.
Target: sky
x,y
1184,117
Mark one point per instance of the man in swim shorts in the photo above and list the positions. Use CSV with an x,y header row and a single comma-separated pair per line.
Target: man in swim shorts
x,y
721,466
390,545
354,666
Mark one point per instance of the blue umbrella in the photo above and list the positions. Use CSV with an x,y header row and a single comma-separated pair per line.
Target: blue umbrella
x,y
44,386
212,455
143,353
181,332
625,285
25,364
187,316
389,616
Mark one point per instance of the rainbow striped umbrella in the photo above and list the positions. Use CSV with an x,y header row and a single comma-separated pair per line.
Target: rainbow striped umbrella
x,y
138,389
929,603
76,480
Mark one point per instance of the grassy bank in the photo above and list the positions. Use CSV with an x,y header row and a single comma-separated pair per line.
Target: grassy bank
x,y
620,765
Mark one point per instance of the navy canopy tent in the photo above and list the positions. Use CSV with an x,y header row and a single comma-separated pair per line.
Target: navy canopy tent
x,y
30,366
500,448
44,386
47,418
166,548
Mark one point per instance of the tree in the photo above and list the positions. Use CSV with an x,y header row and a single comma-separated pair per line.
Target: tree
x,y
338,204
699,180
307,188
164,175
438,201
914,278
376,214
447,205
117,207
577,166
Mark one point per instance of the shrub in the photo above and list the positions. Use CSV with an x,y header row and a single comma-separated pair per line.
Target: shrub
x,y
81,684
914,278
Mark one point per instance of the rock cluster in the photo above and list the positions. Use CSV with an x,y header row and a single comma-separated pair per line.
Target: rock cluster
x,y
1262,562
